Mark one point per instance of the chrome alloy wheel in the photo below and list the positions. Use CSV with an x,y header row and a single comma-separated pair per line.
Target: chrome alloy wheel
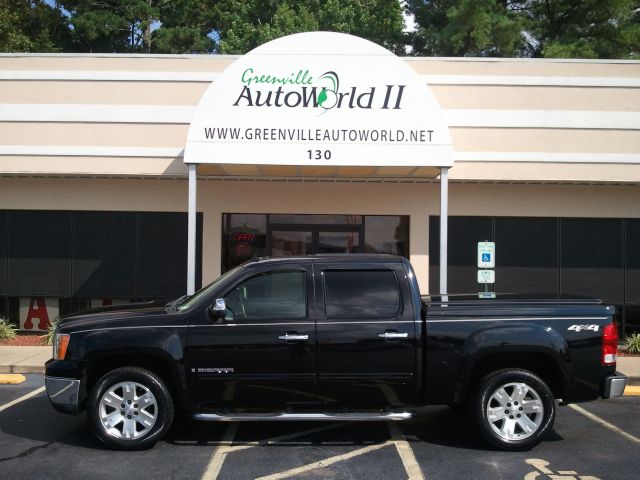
x,y
128,410
515,411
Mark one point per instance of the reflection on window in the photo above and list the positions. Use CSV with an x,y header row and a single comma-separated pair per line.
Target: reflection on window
x,y
362,294
269,295
387,234
244,237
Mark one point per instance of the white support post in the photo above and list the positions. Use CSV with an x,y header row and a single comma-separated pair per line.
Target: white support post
x,y
191,232
444,213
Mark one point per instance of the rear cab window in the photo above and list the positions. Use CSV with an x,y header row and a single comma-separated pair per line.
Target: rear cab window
x,y
361,294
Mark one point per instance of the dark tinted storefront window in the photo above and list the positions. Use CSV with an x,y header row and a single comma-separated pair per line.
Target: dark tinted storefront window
x,y
464,235
244,237
591,258
361,294
252,235
555,256
632,276
387,234
528,256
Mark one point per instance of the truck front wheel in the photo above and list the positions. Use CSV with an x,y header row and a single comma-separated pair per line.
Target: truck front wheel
x,y
515,409
130,408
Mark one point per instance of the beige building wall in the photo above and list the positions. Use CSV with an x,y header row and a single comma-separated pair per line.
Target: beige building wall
x,y
418,200
531,138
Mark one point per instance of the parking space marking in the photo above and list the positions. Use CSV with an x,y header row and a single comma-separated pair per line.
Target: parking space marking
x,y
326,462
411,465
604,423
632,390
541,465
12,379
220,454
37,391
282,438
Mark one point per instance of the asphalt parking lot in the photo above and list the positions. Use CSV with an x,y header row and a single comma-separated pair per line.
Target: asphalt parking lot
x,y
600,441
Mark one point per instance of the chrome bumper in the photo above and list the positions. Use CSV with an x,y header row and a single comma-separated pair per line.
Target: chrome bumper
x,y
64,393
614,385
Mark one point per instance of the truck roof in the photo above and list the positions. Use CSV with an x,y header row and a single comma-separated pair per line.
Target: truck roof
x,y
335,257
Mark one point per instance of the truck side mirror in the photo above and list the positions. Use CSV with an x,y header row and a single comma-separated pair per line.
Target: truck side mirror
x,y
218,309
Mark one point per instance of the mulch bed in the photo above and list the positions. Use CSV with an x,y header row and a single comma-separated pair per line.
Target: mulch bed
x,y
25,341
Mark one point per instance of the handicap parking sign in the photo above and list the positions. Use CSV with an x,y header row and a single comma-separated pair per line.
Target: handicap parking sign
x,y
486,254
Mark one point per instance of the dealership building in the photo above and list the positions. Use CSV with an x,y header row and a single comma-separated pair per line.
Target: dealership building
x,y
99,159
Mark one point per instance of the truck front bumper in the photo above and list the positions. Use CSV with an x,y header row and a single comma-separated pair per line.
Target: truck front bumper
x,y
613,385
64,393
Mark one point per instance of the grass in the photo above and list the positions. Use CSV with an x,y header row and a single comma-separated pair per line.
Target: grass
x,y
632,343
7,330
48,337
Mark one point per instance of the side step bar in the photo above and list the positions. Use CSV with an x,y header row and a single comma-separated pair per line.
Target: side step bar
x,y
313,417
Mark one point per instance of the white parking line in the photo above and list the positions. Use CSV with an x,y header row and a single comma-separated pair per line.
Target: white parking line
x,y
325,462
604,423
37,391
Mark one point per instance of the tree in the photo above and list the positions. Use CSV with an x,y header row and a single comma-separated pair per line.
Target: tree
x,y
246,24
111,25
456,28
187,26
531,28
32,26
583,28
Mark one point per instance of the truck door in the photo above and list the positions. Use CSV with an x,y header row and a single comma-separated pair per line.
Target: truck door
x,y
263,353
366,341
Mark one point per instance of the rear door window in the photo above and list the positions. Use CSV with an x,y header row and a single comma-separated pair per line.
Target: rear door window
x,y
365,294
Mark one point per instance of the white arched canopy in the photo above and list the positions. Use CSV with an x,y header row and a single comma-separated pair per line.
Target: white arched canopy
x,y
318,104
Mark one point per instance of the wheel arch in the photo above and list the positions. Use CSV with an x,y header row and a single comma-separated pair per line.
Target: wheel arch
x,y
531,347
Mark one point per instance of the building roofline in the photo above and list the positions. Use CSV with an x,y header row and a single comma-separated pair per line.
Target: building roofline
x,y
234,57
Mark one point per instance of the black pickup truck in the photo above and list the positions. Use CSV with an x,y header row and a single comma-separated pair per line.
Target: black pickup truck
x,y
339,337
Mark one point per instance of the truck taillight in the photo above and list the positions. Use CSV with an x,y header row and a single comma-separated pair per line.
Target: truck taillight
x,y
609,344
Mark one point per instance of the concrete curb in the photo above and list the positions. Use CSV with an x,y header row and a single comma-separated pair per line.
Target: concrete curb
x,y
21,368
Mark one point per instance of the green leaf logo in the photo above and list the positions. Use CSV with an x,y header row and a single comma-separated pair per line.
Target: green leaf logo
x,y
322,97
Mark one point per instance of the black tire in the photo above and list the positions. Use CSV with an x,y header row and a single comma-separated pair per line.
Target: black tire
x,y
160,407
513,436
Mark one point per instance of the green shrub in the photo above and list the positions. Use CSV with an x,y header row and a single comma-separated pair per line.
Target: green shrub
x,y
48,337
7,330
632,343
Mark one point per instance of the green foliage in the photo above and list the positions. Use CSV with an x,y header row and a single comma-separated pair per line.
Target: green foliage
x,y
455,28
32,26
632,343
7,330
530,28
496,28
245,24
51,331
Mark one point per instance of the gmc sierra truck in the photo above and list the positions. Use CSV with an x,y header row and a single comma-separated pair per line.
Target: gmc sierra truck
x,y
331,337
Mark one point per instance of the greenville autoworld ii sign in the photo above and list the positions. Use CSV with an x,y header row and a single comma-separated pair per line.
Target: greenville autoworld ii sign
x,y
319,98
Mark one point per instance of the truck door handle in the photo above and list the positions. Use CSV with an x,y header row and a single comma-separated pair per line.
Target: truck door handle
x,y
389,334
293,336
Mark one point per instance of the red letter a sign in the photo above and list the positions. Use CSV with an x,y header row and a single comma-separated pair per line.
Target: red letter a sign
x,y
37,311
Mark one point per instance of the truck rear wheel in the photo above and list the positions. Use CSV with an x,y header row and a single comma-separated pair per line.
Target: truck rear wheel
x,y
515,409
130,408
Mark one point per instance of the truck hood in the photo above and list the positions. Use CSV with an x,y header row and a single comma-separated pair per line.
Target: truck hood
x,y
133,314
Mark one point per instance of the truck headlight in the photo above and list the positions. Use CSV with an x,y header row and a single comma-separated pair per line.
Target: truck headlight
x,y
60,344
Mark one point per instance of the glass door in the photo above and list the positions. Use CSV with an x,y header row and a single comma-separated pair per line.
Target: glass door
x,y
291,242
338,242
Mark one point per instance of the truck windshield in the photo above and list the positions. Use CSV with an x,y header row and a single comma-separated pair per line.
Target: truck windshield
x,y
188,302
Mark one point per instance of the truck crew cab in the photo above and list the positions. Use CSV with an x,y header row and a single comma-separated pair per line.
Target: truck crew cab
x,y
331,337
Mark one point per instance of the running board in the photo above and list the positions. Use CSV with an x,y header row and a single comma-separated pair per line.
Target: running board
x,y
313,417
